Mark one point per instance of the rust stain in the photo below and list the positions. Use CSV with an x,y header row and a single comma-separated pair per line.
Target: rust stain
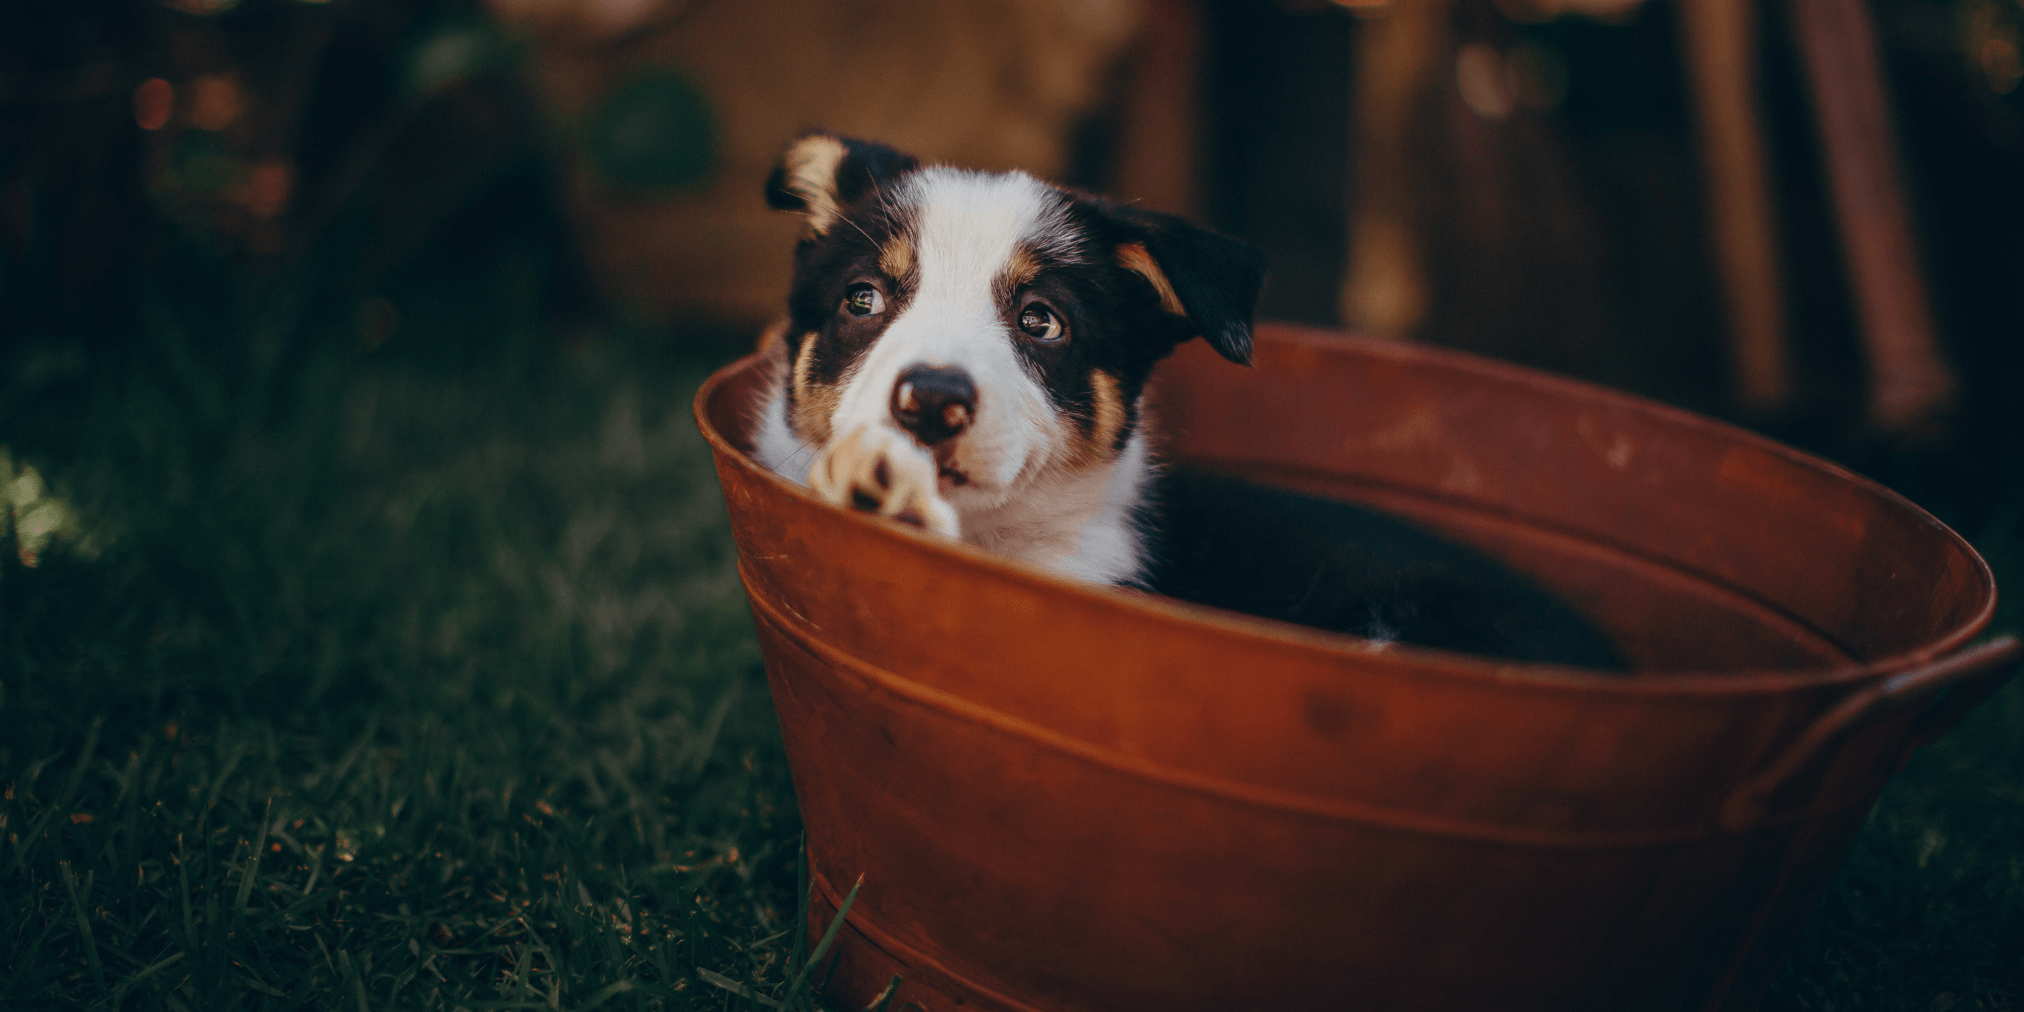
x,y
1421,428
1463,475
1615,448
1330,716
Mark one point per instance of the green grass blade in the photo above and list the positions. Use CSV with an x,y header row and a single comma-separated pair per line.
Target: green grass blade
x,y
713,977
264,988
629,986
253,864
218,785
118,997
822,947
26,848
183,884
83,921
803,884
520,968
83,762
335,778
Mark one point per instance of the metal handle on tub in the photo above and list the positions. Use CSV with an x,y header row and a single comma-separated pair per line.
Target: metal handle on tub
x,y
1972,674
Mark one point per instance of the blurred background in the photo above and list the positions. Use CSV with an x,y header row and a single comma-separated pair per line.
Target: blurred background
x,y
347,344
1802,215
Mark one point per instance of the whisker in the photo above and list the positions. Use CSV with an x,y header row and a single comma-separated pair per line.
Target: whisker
x,y
860,231
844,218
806,447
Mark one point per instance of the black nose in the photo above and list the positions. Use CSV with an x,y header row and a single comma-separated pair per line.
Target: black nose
x,y
934,403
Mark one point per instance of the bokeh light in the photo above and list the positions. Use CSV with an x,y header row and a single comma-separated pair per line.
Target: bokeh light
x,y
450,54
216,101
266,187
2002,64
38,518
1485,81
658,132
154,103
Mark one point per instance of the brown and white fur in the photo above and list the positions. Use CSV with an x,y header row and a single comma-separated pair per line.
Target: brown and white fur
x,y
966,351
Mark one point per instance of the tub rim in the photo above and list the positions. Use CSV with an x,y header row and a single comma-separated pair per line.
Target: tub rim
x,y
1326,645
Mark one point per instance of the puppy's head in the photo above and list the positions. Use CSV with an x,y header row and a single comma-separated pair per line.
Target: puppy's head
x,y
1006,324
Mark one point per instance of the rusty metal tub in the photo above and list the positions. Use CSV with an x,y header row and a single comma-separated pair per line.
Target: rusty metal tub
x,y
1069,797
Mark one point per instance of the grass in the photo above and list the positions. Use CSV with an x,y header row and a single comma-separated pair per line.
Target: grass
x,y
419,676
1928,912
413,677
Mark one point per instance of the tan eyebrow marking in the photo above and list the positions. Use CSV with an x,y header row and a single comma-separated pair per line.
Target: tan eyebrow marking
x,y
897,258
1022,268
1132,256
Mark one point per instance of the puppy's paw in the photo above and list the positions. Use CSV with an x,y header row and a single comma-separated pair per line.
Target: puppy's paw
x,y
879,470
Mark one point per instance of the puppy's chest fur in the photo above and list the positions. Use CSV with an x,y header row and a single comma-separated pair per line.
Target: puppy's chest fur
x,y
967,352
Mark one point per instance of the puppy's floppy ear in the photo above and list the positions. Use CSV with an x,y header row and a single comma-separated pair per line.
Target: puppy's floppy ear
x,y
1211,280
822,173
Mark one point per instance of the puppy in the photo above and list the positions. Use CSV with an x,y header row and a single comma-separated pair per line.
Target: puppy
x,y
966,351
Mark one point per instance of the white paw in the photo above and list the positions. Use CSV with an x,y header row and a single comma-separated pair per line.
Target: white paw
x,y
880,470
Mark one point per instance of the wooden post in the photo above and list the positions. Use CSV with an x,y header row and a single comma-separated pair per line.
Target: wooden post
x,y
1721,59
1397,53
1158,150
1911,384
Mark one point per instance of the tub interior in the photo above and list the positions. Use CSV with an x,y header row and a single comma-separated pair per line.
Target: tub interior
x,y
1692,545
1232,542
1480,582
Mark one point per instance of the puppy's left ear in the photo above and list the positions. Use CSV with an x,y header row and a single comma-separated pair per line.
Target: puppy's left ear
x,y
1208,279
822,173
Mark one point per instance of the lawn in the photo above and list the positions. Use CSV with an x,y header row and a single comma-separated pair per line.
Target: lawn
x,y
404,665
407,676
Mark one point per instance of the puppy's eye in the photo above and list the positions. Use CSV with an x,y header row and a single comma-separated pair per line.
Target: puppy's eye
x,y
1039,323
863,300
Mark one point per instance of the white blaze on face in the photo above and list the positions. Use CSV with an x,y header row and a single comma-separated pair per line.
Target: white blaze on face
x,y
969,226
